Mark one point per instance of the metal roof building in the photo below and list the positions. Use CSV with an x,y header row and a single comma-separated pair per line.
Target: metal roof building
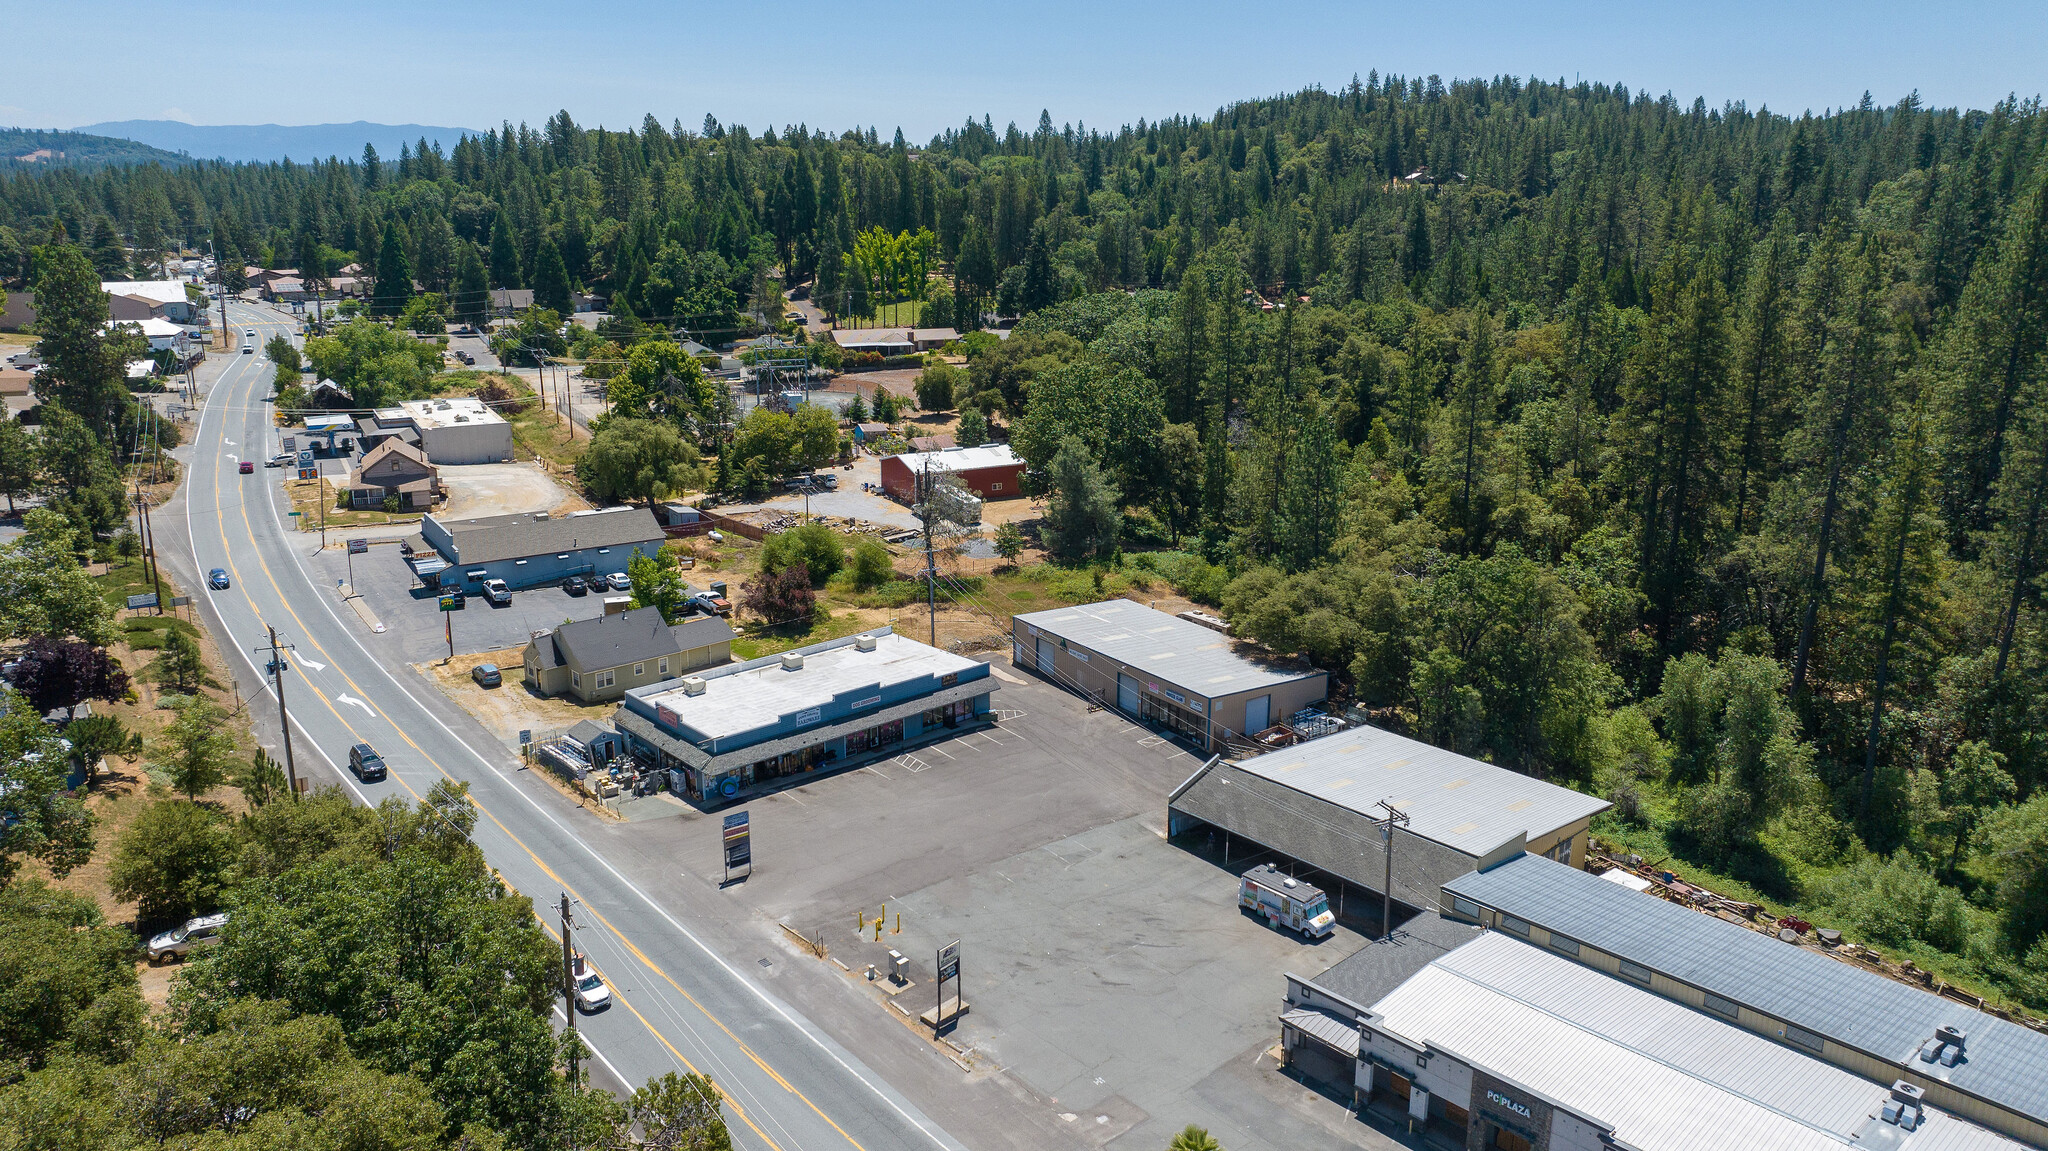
x,y
1151,665
1846,1015
1501,1037
1316,802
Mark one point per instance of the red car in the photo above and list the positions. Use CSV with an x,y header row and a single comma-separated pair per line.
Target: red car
x,y
248,467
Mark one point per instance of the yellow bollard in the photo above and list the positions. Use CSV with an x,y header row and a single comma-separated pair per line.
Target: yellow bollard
x,y
860,922
899,924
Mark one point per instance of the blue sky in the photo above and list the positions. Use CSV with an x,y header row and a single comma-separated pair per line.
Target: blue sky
x,y
925,66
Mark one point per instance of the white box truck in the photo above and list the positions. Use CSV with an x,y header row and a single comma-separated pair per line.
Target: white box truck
x,y
1283,901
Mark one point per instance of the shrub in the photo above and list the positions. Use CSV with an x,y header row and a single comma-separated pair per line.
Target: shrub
x,y
1895,901
814,546
780,597
871,564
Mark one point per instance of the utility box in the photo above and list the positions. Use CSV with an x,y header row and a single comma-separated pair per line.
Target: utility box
x,y
614,604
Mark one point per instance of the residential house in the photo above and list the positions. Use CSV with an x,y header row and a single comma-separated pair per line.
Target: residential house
x,y
510,301
598,659
869,433
932,443
527,549
394,469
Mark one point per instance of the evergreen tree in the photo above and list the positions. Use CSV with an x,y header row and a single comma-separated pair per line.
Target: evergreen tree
x,y
85,364
551,280
109,258
1041,282
504,254
1084,516
394,274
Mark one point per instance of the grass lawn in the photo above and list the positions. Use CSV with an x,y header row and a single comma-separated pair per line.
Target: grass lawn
x,y
309,496
898,315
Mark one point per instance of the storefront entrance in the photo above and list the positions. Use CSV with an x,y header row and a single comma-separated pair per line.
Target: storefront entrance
x,y
1502,1139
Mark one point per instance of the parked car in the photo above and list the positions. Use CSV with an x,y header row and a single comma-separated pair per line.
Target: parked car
x,y
179,942
591,993
217,579
496,591
486,675
712,602
574,585
365,762
793,317
248,467
619,581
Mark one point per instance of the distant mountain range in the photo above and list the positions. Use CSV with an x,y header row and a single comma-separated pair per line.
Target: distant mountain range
x,y
268,142
36,147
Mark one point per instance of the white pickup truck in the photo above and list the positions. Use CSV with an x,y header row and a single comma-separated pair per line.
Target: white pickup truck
x,y
1283,901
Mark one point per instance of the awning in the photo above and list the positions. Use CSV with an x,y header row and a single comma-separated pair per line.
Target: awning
x,y
1325,1028
429,566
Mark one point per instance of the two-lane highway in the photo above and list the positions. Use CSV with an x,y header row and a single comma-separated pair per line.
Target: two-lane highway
x,y
679,1005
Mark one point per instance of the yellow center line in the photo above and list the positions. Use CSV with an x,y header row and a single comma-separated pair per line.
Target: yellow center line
x,y
271,577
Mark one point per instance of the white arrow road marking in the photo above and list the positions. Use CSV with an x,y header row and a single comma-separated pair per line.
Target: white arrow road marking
x,y
314,664
345,697
233,456
229,443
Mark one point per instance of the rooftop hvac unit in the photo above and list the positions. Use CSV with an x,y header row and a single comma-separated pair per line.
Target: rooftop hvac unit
x,y
693,685
864,643
540,515
792,661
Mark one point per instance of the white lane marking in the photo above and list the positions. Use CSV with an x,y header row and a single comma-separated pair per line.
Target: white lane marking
x,y
315,664
803,1026
345,697
229,443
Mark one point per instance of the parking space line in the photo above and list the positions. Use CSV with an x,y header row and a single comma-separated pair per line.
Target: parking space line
x,y
941,751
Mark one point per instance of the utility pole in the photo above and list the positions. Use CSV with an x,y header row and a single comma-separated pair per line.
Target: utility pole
x,y
569,982
931,568
220,280
1394,815
291,770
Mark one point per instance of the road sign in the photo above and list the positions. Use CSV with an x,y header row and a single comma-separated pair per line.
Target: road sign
x,y
525,736
358,547
146,599
295,513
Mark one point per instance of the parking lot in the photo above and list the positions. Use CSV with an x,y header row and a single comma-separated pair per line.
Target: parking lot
x,y
1107,970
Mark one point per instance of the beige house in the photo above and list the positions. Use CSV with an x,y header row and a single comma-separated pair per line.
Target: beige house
x,y
394,468
594,660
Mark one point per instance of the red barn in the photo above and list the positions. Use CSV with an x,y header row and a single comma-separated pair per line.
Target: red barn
x,y
992,471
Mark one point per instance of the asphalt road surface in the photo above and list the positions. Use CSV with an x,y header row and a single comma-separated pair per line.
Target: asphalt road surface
x,y
679,1004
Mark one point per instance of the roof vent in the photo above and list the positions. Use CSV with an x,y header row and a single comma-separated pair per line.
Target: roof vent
x,y
1290,883
1946,1034
792,661
540,515
864,643
1909,1093
693,685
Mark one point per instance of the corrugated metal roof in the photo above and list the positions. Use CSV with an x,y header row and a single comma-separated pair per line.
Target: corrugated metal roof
x,y
2006,1064
1187,655
1452,799
1663,1076
1332,1031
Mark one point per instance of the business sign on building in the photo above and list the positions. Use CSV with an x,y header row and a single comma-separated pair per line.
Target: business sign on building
x,y
809,715
1499,1100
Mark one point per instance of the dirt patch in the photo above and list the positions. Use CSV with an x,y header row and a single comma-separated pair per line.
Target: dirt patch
x,y
501,489
512,708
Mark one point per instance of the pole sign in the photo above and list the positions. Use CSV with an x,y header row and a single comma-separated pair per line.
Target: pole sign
x,y
290,443
450,603
525,736
306,473
358,547
739,850
948,967
949,961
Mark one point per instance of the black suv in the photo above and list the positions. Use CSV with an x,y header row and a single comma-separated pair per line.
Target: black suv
x,y
574,585
365,762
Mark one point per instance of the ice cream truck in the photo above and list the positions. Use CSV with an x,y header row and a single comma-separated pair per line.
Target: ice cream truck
x,y
1284,901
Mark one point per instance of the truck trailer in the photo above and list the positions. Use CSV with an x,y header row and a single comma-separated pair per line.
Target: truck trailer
x,y
1283,901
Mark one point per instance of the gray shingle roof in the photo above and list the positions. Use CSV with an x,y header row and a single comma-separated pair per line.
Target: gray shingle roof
x,y
1187,655
636,636
492,538
2006,1064
701,631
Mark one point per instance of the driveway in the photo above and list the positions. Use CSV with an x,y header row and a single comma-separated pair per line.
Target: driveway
x,y
499,489
849,502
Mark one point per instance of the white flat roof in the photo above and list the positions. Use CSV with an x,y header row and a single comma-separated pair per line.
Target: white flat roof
x,y
452,412
744,697
162,291
1453,799
962,459
1662,1075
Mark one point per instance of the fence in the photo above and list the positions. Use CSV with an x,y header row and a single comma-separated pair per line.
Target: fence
x,y
738,527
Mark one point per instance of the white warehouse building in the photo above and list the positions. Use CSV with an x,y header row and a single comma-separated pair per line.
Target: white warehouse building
x,y
457,430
